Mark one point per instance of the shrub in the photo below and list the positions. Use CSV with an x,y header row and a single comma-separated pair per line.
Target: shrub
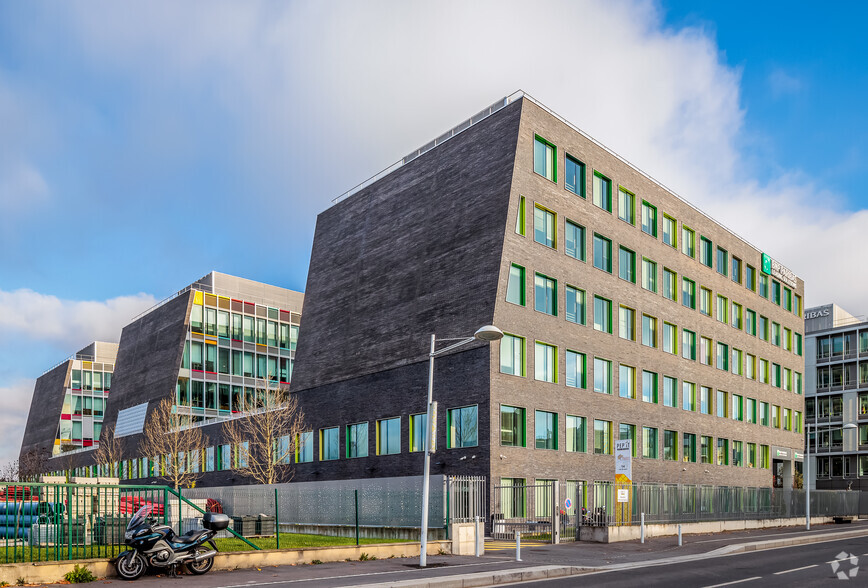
x,y
79,575
316,562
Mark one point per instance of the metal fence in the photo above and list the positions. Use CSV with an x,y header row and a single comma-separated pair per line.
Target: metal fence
x,y
466,499
529,509
610,504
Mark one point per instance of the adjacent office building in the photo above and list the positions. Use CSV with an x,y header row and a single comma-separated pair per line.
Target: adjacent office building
x,y
836,394
627,313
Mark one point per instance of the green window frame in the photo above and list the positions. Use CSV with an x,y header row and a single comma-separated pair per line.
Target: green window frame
x,y
575,305
688,293
736,269
576,369
722,261
627,432
545,430
670,284
750,322
670,338
329,444
626,323
417,431
649,275
649,387
649,331
705,400
688,344
602,196
602,375
627,264
688,447
705,449
602,253
602,314
462,425
626,381
705,304
722,451
737,412
602,437
574,239
626,206
688,396
722,404
545,159
750,277
577,436
520,217
722,356
670,391
357,440
574,175
513,426
512,355
545,298
515,285
649,443
545,362
722,309
706,251
670,445
670,231
736,316
688,242
649,219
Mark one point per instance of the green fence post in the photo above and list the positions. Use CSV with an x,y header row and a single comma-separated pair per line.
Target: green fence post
x,y
68,522
276,519
357,515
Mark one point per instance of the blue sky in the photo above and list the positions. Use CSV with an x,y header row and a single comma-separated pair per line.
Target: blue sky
x,y
143,144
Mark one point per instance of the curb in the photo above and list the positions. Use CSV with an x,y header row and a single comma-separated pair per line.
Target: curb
x,y
775,543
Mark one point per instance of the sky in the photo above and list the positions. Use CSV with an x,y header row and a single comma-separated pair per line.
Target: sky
x,y
144,144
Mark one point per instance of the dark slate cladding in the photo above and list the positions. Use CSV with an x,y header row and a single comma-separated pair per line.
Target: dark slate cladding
x,y
149,357
45,409
415,253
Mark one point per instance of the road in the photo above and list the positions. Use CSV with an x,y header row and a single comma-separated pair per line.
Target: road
x,y
804,565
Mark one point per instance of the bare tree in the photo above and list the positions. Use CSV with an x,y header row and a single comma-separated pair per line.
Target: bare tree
x,y
31,464
267,434
171,437
9,471
109,452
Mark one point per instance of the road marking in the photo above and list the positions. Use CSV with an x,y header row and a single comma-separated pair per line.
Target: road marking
x,y
796,570
734,582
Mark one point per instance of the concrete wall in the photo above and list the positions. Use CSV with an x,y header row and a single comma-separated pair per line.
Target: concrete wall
x,y
633,532
45,408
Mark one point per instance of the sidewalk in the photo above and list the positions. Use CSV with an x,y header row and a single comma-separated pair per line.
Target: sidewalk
x,y
498,567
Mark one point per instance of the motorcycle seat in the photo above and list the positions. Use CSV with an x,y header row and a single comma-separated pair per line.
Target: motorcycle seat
x,y
190,536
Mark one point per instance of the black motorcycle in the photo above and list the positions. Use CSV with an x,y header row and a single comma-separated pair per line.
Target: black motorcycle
x,y
158,546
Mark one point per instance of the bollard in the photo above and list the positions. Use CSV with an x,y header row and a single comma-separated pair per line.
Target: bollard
x,y
476,534
679,535
517,546
642,529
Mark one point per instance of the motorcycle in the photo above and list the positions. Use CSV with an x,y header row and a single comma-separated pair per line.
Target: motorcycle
x,y
158,546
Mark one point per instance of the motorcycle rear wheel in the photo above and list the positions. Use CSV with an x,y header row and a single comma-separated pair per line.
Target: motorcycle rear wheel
x,y
131,568
202,566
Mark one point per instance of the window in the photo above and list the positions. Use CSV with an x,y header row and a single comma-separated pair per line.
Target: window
x,y
787,340
722,356
649,443
670,338
688,293
389,436
722,309
670,231
574,170
515,285
705,301
575,305
670,445
706,251
545,294
602,196
797,344
722,261
705,400
750,278
722,451
750,322
649,219
649,275
737,407
670,284
628,433
722,404
545,159
649,331
649,387
512,355
626,206
545,227
763,417
764,457
736,315
519,218
603,437
627,323
418,432
626,381
750,366
797,305
776,292
545,362
737,362
776,334
545,429
688,449
736,269
737,457
688,344
462,427
512,427
357,440
329,444
602,315
688,396
763,371
602,253
776,375
750,413
576,434
602,375
705,449
764,285
575,240
688,242
670,392
763,327
626,265
576,370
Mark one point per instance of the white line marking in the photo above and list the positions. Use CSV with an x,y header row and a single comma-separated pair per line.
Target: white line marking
x,y
796,570
735,582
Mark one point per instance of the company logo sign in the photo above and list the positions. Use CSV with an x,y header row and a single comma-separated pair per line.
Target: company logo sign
x,y
845,566
776,270
809,314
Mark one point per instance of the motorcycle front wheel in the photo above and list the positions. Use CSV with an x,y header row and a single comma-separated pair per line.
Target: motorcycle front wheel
x,y
201,566
131,567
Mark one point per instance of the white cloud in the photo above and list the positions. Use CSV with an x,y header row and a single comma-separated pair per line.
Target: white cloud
x,y
71,324
783,82
14,407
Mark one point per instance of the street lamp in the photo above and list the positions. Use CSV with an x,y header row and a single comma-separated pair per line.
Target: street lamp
x,y
807,480
487,333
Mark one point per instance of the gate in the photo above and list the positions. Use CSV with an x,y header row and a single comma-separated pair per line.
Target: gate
x,y
531,509
465,499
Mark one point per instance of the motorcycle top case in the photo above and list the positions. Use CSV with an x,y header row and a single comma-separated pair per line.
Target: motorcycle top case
x,y
215,521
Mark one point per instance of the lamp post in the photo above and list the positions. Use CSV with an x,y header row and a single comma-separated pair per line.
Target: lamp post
x,y
807,480
487,333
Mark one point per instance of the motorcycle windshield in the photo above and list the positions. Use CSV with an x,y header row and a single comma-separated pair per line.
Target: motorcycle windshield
x,y
139,516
